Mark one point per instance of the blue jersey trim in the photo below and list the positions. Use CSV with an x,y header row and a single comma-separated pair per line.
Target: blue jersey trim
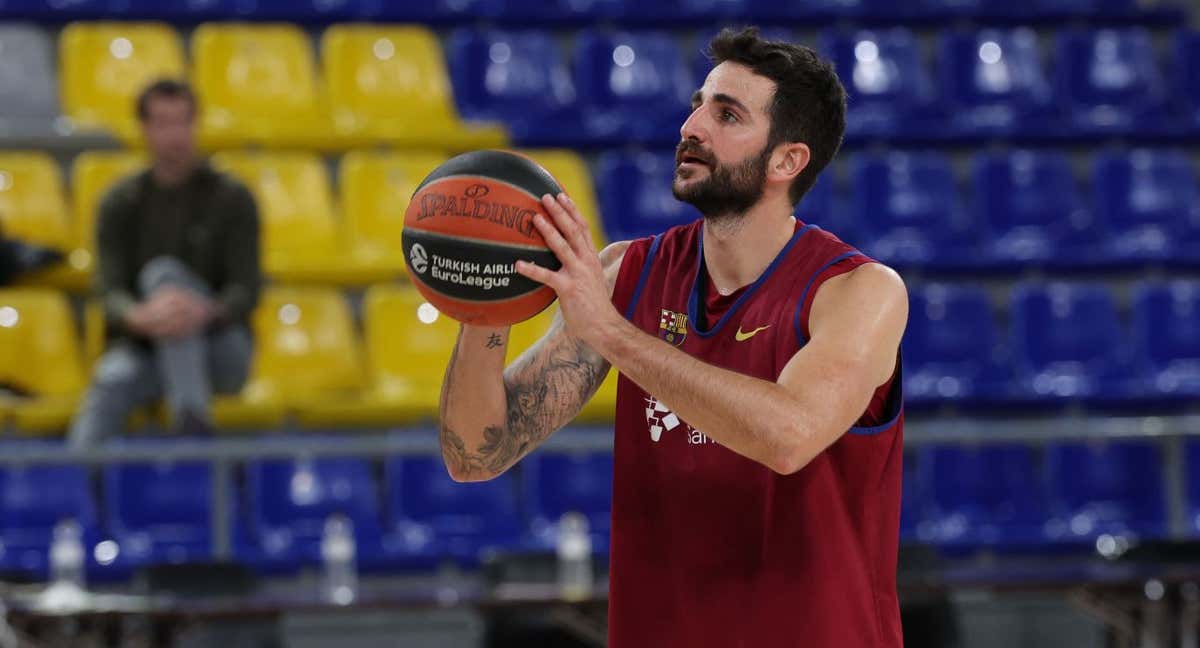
x,y
800,339
896,399
637,291
694,299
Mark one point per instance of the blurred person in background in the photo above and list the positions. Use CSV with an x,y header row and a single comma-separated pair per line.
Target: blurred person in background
x,y
178,260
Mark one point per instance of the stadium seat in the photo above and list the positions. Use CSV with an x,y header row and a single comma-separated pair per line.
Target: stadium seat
x,y
1101,487
372,70
1187,77
951,347
635,194
1108,82
106,65
33,500
407,344
436,12
572,173
983,496
1103,9
1148,202
913,501
772,11
306,355
889,91
909,209
375,189
305,11
93,174
302,238
430,518
33,207
551,12
290,501
1032,210
49,10
39,359
1192,457
258,84
519,78
183,10
28,100
674,13
159,513
993,83
1067,343
556,483
633,86
1166,337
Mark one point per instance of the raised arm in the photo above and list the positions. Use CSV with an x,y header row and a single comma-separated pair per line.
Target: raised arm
x,y
492,416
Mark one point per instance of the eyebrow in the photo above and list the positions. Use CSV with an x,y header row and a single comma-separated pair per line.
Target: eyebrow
x,y
722,98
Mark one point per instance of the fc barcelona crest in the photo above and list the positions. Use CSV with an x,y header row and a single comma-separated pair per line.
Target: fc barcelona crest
x,y
672,327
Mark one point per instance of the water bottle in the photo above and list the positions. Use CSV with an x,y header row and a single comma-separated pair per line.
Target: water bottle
x,y
67,554
338,556
574,557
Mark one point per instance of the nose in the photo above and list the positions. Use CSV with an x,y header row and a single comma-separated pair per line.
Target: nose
x,y
693,127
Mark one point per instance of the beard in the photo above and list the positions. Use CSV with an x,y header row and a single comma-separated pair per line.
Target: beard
x,y
729,190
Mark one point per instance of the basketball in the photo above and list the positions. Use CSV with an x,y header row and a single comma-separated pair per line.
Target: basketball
x,y
467,224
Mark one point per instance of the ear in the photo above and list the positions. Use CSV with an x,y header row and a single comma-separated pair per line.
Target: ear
x,y
788,160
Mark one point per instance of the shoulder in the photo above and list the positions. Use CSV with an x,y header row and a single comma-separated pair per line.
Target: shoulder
x,y
872,290
611,258
124,192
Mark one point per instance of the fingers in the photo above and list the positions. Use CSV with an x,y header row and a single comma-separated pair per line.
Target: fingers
x,y
554,239
566,217
580,221
537,273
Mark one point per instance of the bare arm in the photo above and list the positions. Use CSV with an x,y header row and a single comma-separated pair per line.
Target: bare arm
x,y
492,416
856,323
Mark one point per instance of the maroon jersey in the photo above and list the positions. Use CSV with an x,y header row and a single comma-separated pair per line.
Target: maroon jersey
x,y
710,548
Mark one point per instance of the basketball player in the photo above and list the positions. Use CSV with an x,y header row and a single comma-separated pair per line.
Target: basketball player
x,y
757,460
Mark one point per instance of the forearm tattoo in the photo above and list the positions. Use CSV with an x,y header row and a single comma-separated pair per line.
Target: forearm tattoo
x,y
542,394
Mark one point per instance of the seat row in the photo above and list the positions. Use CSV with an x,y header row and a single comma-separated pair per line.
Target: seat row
x,y
260,84
309,233
551,12
985,84
1063,343
311,368
406,513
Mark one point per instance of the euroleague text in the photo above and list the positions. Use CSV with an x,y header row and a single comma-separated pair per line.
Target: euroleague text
x,y
471,273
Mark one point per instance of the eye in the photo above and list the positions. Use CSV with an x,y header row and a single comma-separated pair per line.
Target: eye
x,y
728,116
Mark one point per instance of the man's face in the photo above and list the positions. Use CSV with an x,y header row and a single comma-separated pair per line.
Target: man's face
x,y
721,162
170,130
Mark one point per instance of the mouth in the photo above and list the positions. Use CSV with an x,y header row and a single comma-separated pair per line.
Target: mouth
x,y
690,160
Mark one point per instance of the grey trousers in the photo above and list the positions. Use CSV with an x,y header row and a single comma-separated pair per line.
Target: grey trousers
x,y
185,372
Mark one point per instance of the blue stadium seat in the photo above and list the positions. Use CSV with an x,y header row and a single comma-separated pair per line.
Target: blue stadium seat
x,y
302,10
1100,488
1108,82
33,500
889,91
1166,335
1187,76
1192,457
993,83
552,12
635,194
431,518
951,347
990,495
1148,202
182,10
1032,210
1108,9
56,10
909,209
555,484
290,501
1069,344
672,13
633,86
159,513
431,12
520,78
912,500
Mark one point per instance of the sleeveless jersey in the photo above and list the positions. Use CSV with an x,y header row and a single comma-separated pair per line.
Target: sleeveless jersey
x,y
710,548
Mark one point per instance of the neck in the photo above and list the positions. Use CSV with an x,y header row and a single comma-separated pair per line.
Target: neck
x,y
738,249
172,174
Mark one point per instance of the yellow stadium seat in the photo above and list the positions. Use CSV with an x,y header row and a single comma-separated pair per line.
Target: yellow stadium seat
x,y
258,84
39,355
33,209
375,188
302,238
306,352
573,175
93,173
390,83
408,344
105,65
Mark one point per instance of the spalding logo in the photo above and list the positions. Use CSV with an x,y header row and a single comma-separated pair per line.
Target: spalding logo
x,y
419,258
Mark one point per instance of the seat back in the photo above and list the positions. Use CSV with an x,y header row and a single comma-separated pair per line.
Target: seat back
x,y
1065,329
106,65
1146,194
298,496
633,72
1108,75
573,175
420,490
375,189
995,69
408,343
635,195
880,69
1107,486
93,174
508,73
32,204
1166,327
27,75
142,496
39,344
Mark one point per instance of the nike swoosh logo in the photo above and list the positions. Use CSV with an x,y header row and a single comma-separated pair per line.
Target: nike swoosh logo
x,y
742,337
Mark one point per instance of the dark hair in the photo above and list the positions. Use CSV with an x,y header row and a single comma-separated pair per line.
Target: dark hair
x,y
164,88
809,104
